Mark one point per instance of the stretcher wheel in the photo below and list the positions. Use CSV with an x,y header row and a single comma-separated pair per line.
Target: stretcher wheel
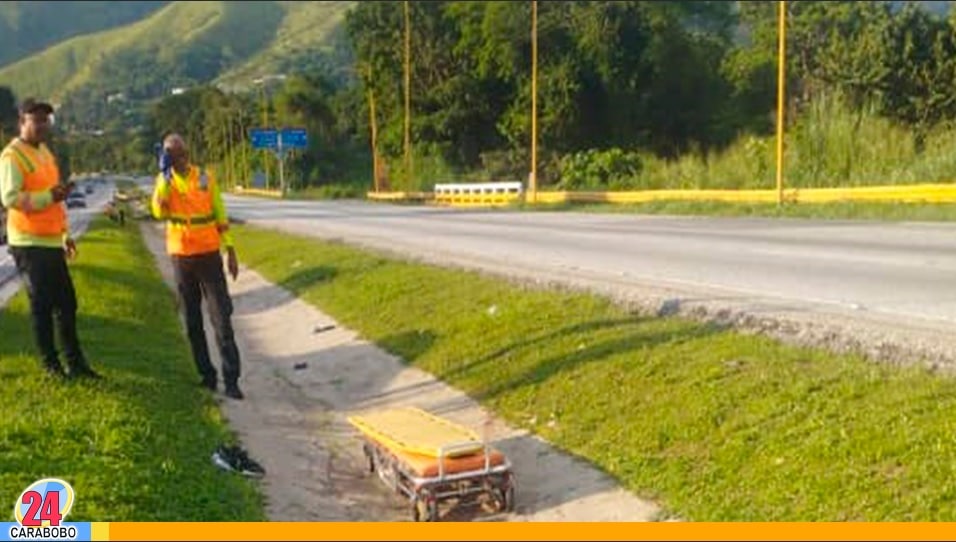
x,y
369,457
505,498
504,494
424,508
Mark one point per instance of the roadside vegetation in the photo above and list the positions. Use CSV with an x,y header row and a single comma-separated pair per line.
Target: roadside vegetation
x,y
712,424
135,446
866,96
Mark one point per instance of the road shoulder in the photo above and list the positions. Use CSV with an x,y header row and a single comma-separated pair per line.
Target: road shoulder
x,y
301,385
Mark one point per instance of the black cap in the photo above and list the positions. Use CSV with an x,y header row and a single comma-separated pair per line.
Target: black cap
x,y
32,105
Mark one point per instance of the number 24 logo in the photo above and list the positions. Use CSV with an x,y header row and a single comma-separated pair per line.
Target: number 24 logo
x,y
45,502
47,505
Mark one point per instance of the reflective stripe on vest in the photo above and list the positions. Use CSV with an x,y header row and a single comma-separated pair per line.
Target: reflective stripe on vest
x,y
191,226
40,173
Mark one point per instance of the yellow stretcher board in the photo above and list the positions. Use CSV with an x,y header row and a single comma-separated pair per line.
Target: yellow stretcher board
x,y
412,430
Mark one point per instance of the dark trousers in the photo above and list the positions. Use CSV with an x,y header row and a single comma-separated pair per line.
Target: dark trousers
x,y
202,276
49,287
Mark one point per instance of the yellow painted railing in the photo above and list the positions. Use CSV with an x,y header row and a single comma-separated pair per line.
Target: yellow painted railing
x,y
258,192
400,196
925,193
478,194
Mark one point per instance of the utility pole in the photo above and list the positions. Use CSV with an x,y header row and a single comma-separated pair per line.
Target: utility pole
x,y
781,94
280,155
373,126
408,98
245,157
265,124
227,167
533,178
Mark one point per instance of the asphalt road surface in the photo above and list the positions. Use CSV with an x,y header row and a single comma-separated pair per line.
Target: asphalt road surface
x,y
900,270
79,220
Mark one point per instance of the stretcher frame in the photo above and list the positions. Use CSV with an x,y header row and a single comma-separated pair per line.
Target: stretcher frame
x,y
425,493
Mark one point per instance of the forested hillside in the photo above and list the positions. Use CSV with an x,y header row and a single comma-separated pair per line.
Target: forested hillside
x,y
630,94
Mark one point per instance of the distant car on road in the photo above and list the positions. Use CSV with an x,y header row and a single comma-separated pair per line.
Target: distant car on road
x,y
75,199
88,189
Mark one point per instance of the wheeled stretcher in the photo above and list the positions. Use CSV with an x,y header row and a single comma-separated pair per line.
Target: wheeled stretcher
x,y
430,460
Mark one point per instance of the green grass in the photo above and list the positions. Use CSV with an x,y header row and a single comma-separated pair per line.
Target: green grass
x,y
712,424
136,445
928,212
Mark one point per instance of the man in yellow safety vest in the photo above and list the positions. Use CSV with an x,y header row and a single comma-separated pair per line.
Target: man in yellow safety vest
x,y
189,200
39,239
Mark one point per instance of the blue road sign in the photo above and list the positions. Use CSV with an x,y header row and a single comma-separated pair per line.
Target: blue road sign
x,y
264,138
294,138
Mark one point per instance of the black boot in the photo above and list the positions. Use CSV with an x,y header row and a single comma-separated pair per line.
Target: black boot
x,y
83,371
53,369
209,382
79,368
233,392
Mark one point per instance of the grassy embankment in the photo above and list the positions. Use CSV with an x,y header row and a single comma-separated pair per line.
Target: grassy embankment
x,y
713,424
135,446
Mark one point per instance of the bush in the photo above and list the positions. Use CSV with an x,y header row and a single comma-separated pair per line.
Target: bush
x,y
599,169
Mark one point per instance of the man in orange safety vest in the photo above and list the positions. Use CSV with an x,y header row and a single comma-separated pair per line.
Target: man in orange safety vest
x,y
188,198
39,239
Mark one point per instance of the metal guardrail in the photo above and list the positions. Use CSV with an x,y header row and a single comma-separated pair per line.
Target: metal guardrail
x,y
483,194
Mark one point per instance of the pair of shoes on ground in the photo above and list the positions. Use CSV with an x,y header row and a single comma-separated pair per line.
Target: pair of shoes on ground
x,y
55,370
235,459
232,391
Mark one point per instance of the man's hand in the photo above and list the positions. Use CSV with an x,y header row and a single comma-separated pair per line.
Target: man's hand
x,y
232,263
70,247
60,192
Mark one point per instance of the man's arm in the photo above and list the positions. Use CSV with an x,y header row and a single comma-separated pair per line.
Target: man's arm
x,y
160,199
12,194
222,223
220,214
67,236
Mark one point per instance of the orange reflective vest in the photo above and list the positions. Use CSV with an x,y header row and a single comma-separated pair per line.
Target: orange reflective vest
x,y
40,174
191,226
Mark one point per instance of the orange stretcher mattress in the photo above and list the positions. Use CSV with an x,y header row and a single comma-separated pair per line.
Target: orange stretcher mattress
x,y
427,467
418,439
412,430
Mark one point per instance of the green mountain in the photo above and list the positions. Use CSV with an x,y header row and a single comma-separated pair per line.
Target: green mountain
x,y
30,27
180,44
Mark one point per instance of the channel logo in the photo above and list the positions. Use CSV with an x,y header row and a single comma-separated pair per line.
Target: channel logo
x,y
41,512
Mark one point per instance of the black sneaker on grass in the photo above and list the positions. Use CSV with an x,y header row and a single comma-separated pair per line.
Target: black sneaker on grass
x,y
54,370
235,459
83,371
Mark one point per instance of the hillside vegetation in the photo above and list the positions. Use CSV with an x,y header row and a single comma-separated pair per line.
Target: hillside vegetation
x,y
181,45
631,95
30,27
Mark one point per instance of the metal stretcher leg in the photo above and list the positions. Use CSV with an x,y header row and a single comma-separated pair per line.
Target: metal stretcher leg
x,y
425,495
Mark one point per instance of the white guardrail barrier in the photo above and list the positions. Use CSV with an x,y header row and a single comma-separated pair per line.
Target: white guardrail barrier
x,y
495,193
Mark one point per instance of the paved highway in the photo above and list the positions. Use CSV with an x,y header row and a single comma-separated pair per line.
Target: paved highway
x,y
903,270
79,220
